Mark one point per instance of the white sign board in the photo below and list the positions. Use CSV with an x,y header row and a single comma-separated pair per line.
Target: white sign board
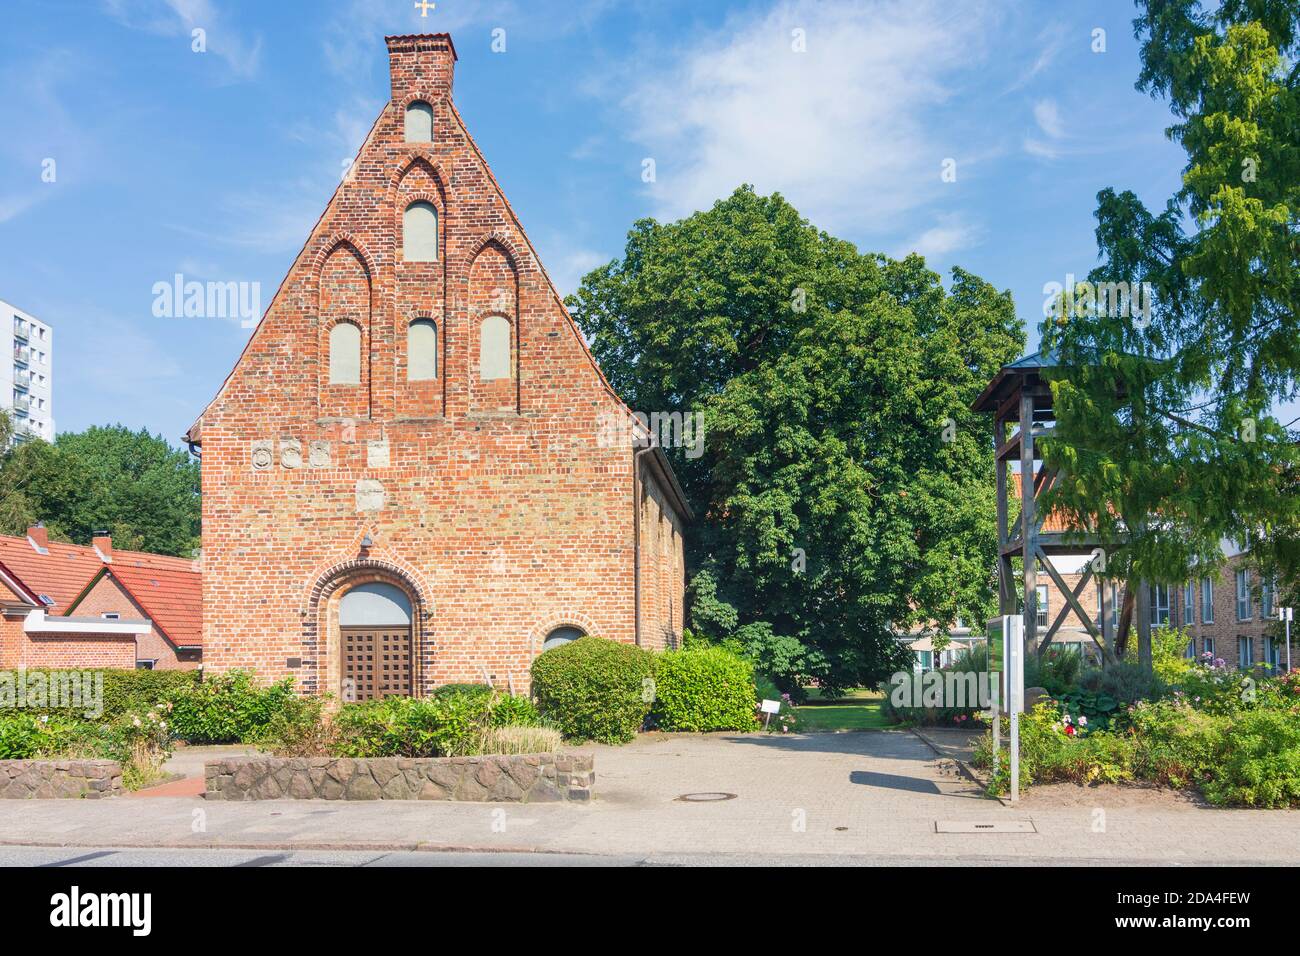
x,y
771,707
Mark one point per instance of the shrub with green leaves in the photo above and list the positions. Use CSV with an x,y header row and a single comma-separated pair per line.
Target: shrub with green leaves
x,y
594,689
1260,766
451,724
25,735
226,708
704,689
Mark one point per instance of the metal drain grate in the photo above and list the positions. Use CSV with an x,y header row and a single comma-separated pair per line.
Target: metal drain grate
x,y
978,826
711,797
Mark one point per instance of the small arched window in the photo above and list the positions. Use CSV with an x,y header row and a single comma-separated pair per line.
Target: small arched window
x,y
494,348
345,354
421,350
420,232
419,122
561,636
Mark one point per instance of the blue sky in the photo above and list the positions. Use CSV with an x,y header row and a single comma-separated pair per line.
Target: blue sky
x,y
217,164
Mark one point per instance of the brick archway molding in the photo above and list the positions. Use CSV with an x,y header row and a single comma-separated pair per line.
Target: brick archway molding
x,y
322,663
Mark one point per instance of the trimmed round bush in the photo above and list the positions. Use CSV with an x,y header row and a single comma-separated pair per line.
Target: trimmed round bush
x,y
704,689
594,689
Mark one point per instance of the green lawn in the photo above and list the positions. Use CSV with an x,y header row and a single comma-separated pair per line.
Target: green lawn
x,y
859,709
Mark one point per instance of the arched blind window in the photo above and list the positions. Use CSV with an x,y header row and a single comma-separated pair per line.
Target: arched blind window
x,y
494,348
421,350
561,636
345,354
420,232
419,122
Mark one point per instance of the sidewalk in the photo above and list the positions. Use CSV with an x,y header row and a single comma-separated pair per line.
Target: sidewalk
x,y
876,794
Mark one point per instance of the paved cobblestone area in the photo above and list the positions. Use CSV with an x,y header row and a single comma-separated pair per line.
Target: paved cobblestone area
x,y
873,796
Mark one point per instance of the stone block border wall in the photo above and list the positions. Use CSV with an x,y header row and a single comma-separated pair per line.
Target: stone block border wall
x,y
526,778
45,779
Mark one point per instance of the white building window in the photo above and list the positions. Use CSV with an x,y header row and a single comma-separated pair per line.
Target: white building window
x,y
494,348
345,354
1159,605
1243,595
1189,603
422,350
420,232
419,122
1040,592
1244,652
1207,601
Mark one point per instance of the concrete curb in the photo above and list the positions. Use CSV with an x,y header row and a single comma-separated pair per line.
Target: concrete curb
x,y
966,770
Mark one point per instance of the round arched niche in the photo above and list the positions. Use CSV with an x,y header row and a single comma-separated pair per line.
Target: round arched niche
x,y
558,637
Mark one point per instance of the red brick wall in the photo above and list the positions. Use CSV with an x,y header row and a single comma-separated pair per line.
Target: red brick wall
x,y
80,651
491,503
12,639
19,649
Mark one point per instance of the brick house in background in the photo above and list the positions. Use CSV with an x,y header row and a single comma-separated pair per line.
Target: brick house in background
x,y
405,479
57,611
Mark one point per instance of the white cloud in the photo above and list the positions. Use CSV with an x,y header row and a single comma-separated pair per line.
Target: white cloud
x,y
943,239
1048,118
175,18
1051,144
841,129
567,269
1052,39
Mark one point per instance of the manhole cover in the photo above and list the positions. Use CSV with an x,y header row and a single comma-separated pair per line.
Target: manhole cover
x,y
977,826
706,797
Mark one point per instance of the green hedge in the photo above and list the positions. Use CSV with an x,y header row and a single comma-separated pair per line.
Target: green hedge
x,y
125,691
704,689
594,689
448,724
226,708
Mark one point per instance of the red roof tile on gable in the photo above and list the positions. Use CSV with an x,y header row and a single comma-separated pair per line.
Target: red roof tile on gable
x,y
66,569
171,597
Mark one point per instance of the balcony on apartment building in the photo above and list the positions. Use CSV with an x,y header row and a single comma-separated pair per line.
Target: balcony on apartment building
x,y
22,355
21,330
22,403
22,379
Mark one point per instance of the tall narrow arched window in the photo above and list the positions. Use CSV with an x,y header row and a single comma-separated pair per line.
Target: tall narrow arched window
x,y
421,350
345,354
420,232
419,122
494,348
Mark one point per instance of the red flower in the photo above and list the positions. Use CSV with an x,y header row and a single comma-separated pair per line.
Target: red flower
x,y
1069,730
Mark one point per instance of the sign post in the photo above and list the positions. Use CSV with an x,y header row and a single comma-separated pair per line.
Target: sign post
x,y
769,707
1285,614
1006,640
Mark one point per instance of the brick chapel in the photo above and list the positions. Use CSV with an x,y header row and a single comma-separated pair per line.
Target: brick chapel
x,y
406,479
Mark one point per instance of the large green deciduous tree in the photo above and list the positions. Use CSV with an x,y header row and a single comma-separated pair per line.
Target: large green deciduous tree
x,y
1167,415
845,489
132,484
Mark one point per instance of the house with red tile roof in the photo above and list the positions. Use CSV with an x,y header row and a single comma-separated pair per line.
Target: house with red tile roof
x,y
66,605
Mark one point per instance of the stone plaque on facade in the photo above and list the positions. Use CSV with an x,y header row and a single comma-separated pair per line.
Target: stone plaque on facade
x,y
263,454
370,495
290,453
318,454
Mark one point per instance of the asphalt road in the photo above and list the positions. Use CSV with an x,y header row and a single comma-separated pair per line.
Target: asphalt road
x,y
20,856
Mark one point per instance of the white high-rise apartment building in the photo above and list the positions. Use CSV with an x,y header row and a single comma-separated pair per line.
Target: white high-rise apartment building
x,y
26,367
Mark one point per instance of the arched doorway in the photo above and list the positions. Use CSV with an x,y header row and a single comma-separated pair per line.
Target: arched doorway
x,y
375,642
